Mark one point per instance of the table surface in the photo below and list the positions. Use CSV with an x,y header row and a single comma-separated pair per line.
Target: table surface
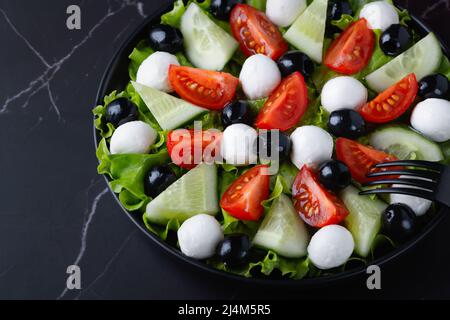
x,y
55,210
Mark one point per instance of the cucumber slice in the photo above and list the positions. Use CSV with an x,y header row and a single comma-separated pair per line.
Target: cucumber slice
x,y
207,45
405,144
283,231
194,193
170,112
364,220
422,59
308,31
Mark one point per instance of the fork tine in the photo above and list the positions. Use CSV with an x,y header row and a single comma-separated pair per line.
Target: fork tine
x,y
406,191
408,182
413,163
430,175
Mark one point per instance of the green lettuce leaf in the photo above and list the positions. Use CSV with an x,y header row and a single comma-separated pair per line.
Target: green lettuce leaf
x,y
257,105
316,115
127,172
162,232
291,268
445,67
173,18
446,150
139,54
344,22
258,4
378,59
287,174
142,52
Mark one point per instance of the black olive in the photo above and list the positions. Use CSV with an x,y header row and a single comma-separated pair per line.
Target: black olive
x,y
434,86
266,142
395,40
121,111
221,9
238,112
347,123
399,222
233,251
294,61
335,175
335,11
166,38
157,180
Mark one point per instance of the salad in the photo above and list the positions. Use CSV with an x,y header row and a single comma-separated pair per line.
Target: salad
x,y
248,128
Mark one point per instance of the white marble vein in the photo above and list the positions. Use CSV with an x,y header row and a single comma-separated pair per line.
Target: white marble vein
x,y
108,265
430,9
89,216
43,81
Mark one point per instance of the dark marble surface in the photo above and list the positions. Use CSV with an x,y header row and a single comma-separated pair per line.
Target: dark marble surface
x,y
54,209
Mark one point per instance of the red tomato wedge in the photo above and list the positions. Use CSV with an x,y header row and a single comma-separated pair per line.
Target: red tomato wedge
x,y
393,102
243,198
286,105
315,205
188,148
204,88
255,33
360,158
351,51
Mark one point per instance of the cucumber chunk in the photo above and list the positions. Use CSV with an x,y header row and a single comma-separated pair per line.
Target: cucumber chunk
x,y
207,45
194,193
170,112
405,144
423,59
283,231
308,32
364,220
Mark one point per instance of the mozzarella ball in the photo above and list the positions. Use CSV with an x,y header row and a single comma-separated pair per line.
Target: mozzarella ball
x,y
380,15
432,118
133,138
238,145
419,205
331,247
343,93
284,12
199,236
154,71
311,146
259,77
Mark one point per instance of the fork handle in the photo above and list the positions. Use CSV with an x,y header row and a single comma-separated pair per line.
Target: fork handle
x,y
443,189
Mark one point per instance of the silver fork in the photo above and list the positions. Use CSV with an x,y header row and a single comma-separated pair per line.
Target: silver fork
x,y
432,178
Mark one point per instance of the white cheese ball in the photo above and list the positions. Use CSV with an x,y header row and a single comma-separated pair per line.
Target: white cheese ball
x,y
311,146
419,205
331,247
259,77
133,138
432,118
284,12
343,93
238,145
380,15
199,236
154,71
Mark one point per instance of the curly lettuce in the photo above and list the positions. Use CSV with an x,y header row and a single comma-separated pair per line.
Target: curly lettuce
x,y
127,171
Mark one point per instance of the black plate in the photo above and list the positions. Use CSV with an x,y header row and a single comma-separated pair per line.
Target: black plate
x,y
116,78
